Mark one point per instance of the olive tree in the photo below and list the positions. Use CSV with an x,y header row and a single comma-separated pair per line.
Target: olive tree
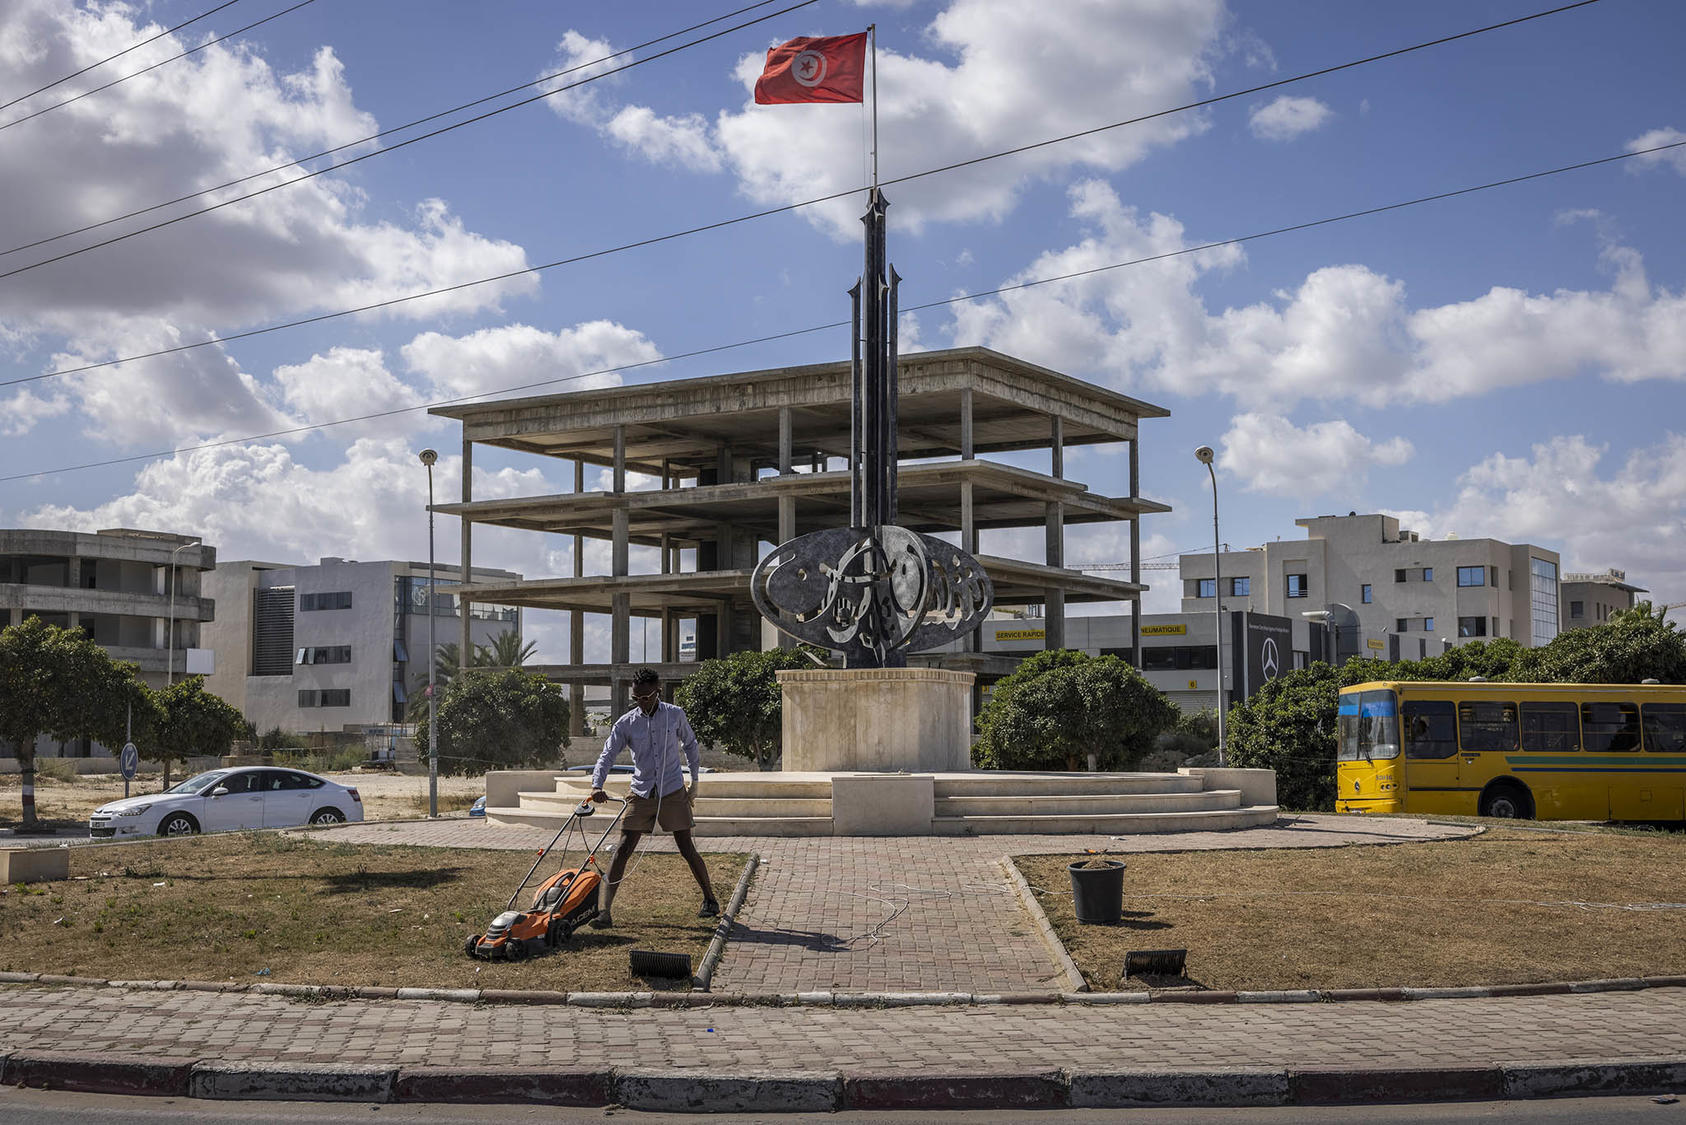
x,y
498,719
58,682
734,703
191,723
1063,709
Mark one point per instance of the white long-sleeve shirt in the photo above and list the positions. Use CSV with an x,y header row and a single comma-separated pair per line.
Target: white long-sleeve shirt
x,y
656,741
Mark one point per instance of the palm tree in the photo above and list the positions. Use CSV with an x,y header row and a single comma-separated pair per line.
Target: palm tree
x,y
506,651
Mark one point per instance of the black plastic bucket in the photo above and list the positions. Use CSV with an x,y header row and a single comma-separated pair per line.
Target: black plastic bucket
x,y
1097,893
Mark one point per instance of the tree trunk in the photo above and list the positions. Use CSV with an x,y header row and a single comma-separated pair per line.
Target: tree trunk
x,y
166,773
26,771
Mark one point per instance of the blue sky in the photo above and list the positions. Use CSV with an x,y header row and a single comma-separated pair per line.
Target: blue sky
x,y
1503,364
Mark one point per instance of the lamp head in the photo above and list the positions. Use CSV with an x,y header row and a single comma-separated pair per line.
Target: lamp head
x,y
428,457
1204,455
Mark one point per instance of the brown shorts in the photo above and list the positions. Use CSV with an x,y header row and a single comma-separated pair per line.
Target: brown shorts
x,y
675,813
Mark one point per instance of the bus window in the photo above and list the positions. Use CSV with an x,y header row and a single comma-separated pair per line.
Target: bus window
x,y
1665,727
1554,728
1487,726
1610,727
1368,726
1430,728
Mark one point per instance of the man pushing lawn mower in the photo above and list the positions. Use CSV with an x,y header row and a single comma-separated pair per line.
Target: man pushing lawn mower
x,y
656,733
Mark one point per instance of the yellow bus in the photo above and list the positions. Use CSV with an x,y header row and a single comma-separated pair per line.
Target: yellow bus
x,y
1545,751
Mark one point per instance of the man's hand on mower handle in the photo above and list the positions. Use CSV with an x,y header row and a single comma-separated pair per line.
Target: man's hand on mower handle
x,y
599,796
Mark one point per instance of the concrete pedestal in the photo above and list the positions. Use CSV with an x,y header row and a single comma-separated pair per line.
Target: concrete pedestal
x,y
877,720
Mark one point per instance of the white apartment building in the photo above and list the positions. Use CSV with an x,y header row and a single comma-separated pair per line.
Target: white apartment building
x,y
1590,599
1388,592
338,645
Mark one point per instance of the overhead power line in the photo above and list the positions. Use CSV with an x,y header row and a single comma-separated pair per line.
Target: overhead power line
x,y
118,55
413,140
961,164
154,66
375,305
303,160
715,349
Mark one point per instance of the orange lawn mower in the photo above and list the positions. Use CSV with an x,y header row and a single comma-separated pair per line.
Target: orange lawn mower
x,y
561,904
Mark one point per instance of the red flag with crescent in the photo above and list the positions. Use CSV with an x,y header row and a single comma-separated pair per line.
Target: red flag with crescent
x,y
814,69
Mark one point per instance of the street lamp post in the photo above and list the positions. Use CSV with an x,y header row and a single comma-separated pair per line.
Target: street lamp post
x,y
170,630
428,457
1205,455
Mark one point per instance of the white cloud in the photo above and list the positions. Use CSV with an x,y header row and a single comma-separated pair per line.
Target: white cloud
x,y
1346,332
1674,157
1287,117
1568,496
20,412
1016,73
492,359
1272,455
346,383
681,141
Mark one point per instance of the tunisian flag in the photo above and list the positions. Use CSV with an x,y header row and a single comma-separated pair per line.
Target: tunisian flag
x,y
809,69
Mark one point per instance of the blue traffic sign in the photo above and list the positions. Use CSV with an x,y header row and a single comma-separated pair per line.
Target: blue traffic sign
x,y
129,761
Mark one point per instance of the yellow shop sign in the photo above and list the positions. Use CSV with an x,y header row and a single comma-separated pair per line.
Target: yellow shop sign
x,y
1164,630
1375,644
1021,634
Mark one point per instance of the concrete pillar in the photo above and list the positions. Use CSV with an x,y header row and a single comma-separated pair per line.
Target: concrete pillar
x,y
1056,447
1054,606
966,449
465,646
620,458
1135,555
620,625
969,544
576,622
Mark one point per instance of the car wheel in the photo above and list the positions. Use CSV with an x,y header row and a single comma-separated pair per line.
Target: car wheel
x,y
1506,802
178,824
327,816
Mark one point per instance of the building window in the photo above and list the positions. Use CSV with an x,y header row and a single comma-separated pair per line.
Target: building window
x,y
336,697
333,599
1399,576
1472,576
1542,600
1240,587
1402,625
1472,626
272,631
1495,626
308,697
1297,587
329,654
1493,572
1206,588
1366,595
1428,624
1428,574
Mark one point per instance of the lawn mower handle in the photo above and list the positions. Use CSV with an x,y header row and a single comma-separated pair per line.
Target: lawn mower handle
x,y
584,809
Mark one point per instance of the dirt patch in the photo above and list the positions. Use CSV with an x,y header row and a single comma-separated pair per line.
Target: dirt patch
x,y
1509,906
260,907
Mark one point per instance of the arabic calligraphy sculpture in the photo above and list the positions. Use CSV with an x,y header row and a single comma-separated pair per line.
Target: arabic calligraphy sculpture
x,y
873,591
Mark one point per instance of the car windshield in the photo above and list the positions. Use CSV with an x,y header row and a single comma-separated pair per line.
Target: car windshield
x,y
1368,726
199,784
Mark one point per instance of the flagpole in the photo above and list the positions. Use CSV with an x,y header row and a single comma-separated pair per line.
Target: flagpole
x,y
872,29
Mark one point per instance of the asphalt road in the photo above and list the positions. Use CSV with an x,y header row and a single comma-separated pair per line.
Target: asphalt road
x,y
39,1107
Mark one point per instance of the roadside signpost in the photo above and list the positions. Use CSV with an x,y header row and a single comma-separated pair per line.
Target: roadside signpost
x,y
129,763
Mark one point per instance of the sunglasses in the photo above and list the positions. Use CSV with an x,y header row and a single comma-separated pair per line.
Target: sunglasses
x,y
643,696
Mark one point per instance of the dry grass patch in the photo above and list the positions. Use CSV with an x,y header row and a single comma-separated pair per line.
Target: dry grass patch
x,y
1491,909
229,907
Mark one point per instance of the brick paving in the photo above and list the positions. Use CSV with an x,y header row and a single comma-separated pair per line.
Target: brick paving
x,y
256,1028
926,914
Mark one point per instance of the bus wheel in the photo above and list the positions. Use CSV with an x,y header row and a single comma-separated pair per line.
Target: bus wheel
x,y
1507,802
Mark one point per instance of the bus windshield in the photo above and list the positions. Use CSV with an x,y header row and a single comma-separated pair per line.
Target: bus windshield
x,y
1368,726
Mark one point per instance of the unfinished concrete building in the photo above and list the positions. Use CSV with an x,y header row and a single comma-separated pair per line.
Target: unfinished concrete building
x,y
747,460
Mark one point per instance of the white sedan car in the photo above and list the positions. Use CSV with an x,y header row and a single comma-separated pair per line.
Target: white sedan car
x,y
228,800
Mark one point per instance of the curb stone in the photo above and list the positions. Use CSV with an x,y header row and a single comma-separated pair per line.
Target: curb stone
x,y
100,1073
723,928
1071,976
1030,1090
665,1091
1360,1085
274,1081
495,1086
1634,1076
1221,1086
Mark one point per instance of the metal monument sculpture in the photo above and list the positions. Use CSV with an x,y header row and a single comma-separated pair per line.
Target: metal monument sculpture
x,y
874,591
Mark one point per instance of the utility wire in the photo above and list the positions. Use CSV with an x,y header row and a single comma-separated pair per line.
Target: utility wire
x,y
413,140
118,55
383,133
836,195
760,339
946,168
154,66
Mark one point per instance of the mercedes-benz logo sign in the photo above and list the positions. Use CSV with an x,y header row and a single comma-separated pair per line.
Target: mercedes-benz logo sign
x,y
1269,662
